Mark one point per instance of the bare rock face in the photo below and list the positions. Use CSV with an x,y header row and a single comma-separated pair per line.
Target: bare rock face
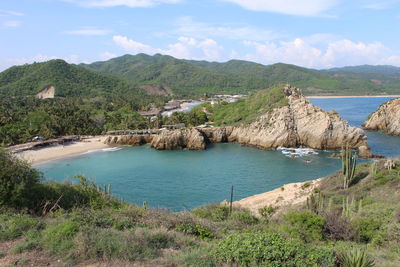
x,y
178,139
385,118
300,123
133,140
47,92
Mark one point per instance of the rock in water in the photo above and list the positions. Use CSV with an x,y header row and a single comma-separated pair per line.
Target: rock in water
x,y
299,123
295,124
385,118
189,138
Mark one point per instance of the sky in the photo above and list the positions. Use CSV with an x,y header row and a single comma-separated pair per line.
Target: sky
x,y
316,34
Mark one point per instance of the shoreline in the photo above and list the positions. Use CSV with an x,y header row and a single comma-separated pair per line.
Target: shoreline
x,y
350,96
287,195
57,152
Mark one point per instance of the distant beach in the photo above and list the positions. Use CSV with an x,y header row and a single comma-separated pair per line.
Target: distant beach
x,y
40,155
350,96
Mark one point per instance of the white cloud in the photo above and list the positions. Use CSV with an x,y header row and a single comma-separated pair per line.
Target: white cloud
x,y
128,3
5,13
337,53
188,27
381,5
315,51
10,24
289,7
134,47
88,31
107,55
185,47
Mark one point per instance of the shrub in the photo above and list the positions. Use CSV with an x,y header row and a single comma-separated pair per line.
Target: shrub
x,y
304,225
355,258
269,249
106,244
245,217
214,212
337,227
13,226
267,211
32,241
17,178
196,229
366,229
58,237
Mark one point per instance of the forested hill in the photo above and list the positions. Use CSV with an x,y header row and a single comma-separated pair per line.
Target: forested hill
x,y
189,77
381,69
68,79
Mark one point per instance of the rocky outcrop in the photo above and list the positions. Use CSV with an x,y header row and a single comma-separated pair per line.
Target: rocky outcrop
x,y
190,138
178,139
385,118
299,123
47,92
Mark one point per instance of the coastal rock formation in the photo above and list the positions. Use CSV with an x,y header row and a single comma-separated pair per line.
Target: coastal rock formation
x,y
297,124
190,138
133,140
385,118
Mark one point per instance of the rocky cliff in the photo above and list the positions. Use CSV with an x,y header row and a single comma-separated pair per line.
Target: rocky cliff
x,y
299,123
385,118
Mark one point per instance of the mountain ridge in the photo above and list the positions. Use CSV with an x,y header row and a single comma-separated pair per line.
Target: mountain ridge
x,y
190,78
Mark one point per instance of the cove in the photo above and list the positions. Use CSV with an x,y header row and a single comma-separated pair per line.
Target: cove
x,y
180,180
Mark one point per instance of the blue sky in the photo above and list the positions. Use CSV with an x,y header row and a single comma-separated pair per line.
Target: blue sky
x,y
310,33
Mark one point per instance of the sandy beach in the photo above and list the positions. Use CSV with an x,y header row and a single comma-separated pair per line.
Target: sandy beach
x,y
40,155
287,195
350,96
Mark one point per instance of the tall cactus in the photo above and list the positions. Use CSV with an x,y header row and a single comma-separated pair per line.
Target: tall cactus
x,y
348,166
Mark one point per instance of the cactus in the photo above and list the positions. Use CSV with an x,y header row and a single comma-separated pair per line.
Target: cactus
x,y
349,207
373,168
348,166
315,203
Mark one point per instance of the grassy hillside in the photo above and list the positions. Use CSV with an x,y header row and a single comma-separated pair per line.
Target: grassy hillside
x,y
71,224
250,108
68,79
189,77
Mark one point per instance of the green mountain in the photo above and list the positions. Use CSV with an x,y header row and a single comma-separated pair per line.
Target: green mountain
x,y
160,74
381,69
190,77
68,79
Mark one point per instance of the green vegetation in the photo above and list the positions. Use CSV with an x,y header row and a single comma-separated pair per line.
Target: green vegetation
x,y
22,118
249,109
91,99
80,223
348,166
191,78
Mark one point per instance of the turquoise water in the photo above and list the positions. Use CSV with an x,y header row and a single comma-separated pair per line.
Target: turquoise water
x,y
180,180
356,111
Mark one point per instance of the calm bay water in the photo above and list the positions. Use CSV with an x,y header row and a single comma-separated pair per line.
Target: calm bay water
x,y
181,180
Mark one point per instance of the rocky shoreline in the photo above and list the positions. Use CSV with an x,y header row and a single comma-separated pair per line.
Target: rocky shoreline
x,y
297,124
386,118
